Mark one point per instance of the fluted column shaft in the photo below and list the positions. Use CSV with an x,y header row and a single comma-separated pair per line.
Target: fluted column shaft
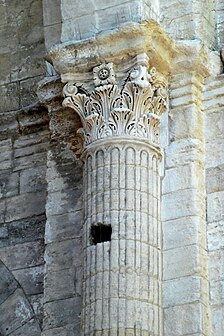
x,y
122,277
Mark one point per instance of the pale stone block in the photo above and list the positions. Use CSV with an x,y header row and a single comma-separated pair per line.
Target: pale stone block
x,y
184,231
60,227
215,179
52,35
51,12
215,233
217,320
183,177
184,261
185,290
60,202
71,256
215,206
186,122
79,28
216,264
183,320
214,126
31,279
182,203
184,152
59,284
109,18
217,292
214,158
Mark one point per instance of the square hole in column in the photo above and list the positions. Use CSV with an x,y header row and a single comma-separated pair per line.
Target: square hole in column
x,y
100,233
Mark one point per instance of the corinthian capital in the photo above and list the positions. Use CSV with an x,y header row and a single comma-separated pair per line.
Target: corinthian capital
x,y
128,107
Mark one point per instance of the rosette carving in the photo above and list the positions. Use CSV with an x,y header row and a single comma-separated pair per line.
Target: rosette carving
x,y
111,110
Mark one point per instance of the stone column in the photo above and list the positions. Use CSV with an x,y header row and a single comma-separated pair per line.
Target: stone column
x,y
119,142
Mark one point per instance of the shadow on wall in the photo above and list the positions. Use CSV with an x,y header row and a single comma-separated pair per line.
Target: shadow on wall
x,y
16,313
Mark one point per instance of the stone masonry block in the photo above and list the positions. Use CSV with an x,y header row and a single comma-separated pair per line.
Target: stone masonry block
x,y
217,292
214,118
186,122
63,255
217,320
32,139
185,290
215,179
61,202
51,12
8,125
214,158
52,34
182,203
23,255
62,312
14,312
5,154
9,97
8,284
184,231
184,320
23,206
184,152
70,10
183,177
68,330
30,328
33,179
37,159
184,261
66,226
59,284
30,279
79,28
9,184
215,206
26,230
216,265
215,233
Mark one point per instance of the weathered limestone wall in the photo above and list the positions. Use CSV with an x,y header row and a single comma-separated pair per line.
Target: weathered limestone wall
x,y
214,131
23,144
83,19
185,287
188,20
220,23
41,205
52,22
64,212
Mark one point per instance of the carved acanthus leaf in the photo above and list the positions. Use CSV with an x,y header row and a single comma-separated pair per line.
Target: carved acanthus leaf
x,y
110,110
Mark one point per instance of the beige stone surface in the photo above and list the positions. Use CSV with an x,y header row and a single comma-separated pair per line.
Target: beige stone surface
x,y
164,280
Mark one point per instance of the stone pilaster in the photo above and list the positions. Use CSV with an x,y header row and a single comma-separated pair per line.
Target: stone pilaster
x,y
63,231
185,286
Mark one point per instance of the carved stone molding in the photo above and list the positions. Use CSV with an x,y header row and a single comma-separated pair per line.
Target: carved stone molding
x,y
131,108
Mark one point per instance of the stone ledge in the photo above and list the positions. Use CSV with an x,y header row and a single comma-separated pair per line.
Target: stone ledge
x,y
115,45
